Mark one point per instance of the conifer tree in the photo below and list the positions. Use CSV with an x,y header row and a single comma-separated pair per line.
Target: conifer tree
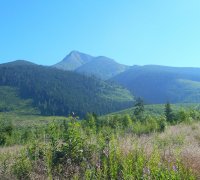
x,y
139,107
168,112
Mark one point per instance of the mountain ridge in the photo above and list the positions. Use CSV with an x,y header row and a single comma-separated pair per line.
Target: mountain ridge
x,y
100,66
159,84
154,83
73,60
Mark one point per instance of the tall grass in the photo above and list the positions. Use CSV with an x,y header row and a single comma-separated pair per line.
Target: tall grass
x,y
112,148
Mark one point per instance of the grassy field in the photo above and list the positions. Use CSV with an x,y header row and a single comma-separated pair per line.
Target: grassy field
x,y
19,111
173,154
159,109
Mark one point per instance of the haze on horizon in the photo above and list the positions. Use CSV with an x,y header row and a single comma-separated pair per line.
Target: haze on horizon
x,y
131,32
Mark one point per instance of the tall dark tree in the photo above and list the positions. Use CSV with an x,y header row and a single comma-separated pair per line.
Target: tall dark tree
x,y
139,107
168,112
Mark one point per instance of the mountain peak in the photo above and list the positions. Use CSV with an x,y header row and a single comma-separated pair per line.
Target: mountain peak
x,y
100,66
75,52
77,56
73,60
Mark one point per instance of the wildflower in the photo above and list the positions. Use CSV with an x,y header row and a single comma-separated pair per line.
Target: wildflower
x,y
81,150
174,167
106,152
98,165
146,171
69,161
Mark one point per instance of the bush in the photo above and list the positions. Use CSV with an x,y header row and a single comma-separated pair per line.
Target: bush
x,y
6,129
22,167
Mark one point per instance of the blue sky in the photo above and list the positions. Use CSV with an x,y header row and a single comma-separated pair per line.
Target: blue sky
x,y
129,31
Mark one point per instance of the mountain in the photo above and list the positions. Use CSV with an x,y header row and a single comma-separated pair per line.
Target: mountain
x,y
73,61
57,92
101,67
159,84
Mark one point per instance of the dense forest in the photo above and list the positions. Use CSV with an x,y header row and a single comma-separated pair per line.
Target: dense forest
x,y
57,92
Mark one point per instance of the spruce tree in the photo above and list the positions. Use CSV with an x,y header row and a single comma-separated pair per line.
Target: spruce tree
x,y
168,113
139,107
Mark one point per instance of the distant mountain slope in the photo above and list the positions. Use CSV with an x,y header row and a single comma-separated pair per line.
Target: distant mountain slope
x,y
57,92
10,101
73,61
101,66
158,84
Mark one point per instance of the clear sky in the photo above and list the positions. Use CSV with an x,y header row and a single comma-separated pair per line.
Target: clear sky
x,y
129,31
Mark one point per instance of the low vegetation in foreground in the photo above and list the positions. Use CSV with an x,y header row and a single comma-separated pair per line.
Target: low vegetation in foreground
x,y
137,146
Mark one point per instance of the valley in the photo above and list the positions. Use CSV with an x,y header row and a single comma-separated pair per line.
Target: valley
x,y
99,90
92,118
116,145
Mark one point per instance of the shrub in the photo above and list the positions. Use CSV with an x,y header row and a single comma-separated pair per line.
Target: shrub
x,y
6,129
22,167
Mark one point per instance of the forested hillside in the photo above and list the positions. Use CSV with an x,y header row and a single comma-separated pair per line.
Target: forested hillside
x,y
57,92
159,84
155,84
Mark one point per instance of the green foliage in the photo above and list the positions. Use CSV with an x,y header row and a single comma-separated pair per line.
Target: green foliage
x,y
127,121
144,125
22,167
162,124
91,122
135,165
139,107
6,129
63,151
183,116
